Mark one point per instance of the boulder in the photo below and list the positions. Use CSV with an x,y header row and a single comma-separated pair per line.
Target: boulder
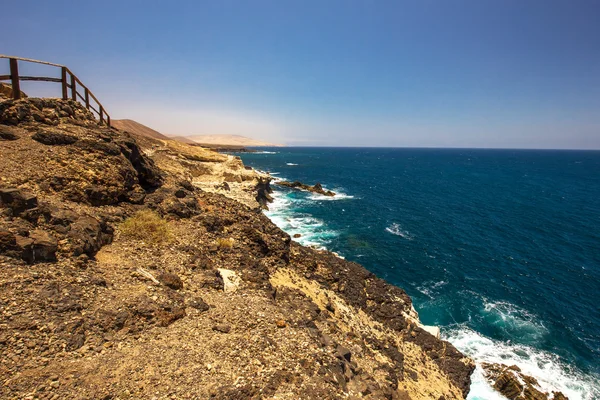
x,y
231,280
40,246
17,199
7,241
170,280
7,134
54,138
88,236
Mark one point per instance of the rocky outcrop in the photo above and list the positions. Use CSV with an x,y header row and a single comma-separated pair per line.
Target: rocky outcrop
x,y
6,91
263,192
317,188
514,385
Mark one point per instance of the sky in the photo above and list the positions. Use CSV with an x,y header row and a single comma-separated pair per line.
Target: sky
x,y
421,73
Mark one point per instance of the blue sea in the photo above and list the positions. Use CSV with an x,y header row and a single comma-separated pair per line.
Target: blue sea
x,y
500,248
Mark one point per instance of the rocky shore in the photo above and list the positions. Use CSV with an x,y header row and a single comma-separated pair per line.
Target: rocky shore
x,y
135,268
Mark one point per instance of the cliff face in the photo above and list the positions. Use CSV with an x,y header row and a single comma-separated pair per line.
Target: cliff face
x,y
127,273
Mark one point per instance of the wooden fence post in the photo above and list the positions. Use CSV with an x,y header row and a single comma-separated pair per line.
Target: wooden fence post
x,y
14,77
108,120
87,98
101,116
73,88
65,94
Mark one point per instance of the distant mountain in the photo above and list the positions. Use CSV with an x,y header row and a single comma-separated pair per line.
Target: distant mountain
x,y
137,129
230,140
183,139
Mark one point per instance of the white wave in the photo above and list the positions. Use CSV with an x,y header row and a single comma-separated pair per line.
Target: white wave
x,y
396,229
311,230
551,373
291,164
265,152
429,288
274,173
338,196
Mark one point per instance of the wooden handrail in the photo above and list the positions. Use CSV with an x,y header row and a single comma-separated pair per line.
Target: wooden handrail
x,y
66,73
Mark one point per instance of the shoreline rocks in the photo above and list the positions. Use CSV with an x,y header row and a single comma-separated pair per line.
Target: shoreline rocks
x,y
514,385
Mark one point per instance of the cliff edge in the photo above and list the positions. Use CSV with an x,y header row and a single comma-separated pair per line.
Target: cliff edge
x,y
135,268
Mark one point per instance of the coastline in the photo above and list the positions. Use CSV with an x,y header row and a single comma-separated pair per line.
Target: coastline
x,y
552,375
222,303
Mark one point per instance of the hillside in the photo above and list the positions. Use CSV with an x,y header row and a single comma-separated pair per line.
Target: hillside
x,y
141,268
230,140
137,129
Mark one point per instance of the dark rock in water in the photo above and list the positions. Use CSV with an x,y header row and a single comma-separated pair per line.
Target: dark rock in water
x,y
39,246
297,235
18,200
515,385
317,188
54,138
170,280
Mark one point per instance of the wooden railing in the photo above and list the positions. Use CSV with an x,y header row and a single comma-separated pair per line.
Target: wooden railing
x,y
73,85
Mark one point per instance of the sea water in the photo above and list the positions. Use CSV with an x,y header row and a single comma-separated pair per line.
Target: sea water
x,y
500,248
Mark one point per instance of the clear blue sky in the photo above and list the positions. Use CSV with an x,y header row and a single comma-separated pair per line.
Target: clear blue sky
x,y
472,73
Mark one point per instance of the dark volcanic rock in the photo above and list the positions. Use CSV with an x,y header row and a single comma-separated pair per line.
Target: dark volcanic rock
x,y
170,280
39,246
18,200
54,138
317,188
148,174
7,134
88,236
263,193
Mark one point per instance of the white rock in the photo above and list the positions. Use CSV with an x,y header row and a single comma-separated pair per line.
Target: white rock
x,y
231,281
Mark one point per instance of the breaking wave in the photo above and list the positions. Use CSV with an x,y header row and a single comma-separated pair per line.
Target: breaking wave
x,y
551,373
396,229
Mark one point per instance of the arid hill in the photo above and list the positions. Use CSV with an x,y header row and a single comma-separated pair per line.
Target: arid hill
x,y
136,128
231,140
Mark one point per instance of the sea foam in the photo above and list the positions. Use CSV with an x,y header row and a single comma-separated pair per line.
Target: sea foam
x,y
552,374
312,230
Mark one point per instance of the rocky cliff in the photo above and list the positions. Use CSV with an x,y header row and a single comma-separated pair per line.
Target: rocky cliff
x,y
131,268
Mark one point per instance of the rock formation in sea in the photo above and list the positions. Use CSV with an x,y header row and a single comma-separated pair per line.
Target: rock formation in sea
x,y
128,269
316,188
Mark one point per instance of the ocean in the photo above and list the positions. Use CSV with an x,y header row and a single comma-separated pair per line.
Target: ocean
x,y
499,248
